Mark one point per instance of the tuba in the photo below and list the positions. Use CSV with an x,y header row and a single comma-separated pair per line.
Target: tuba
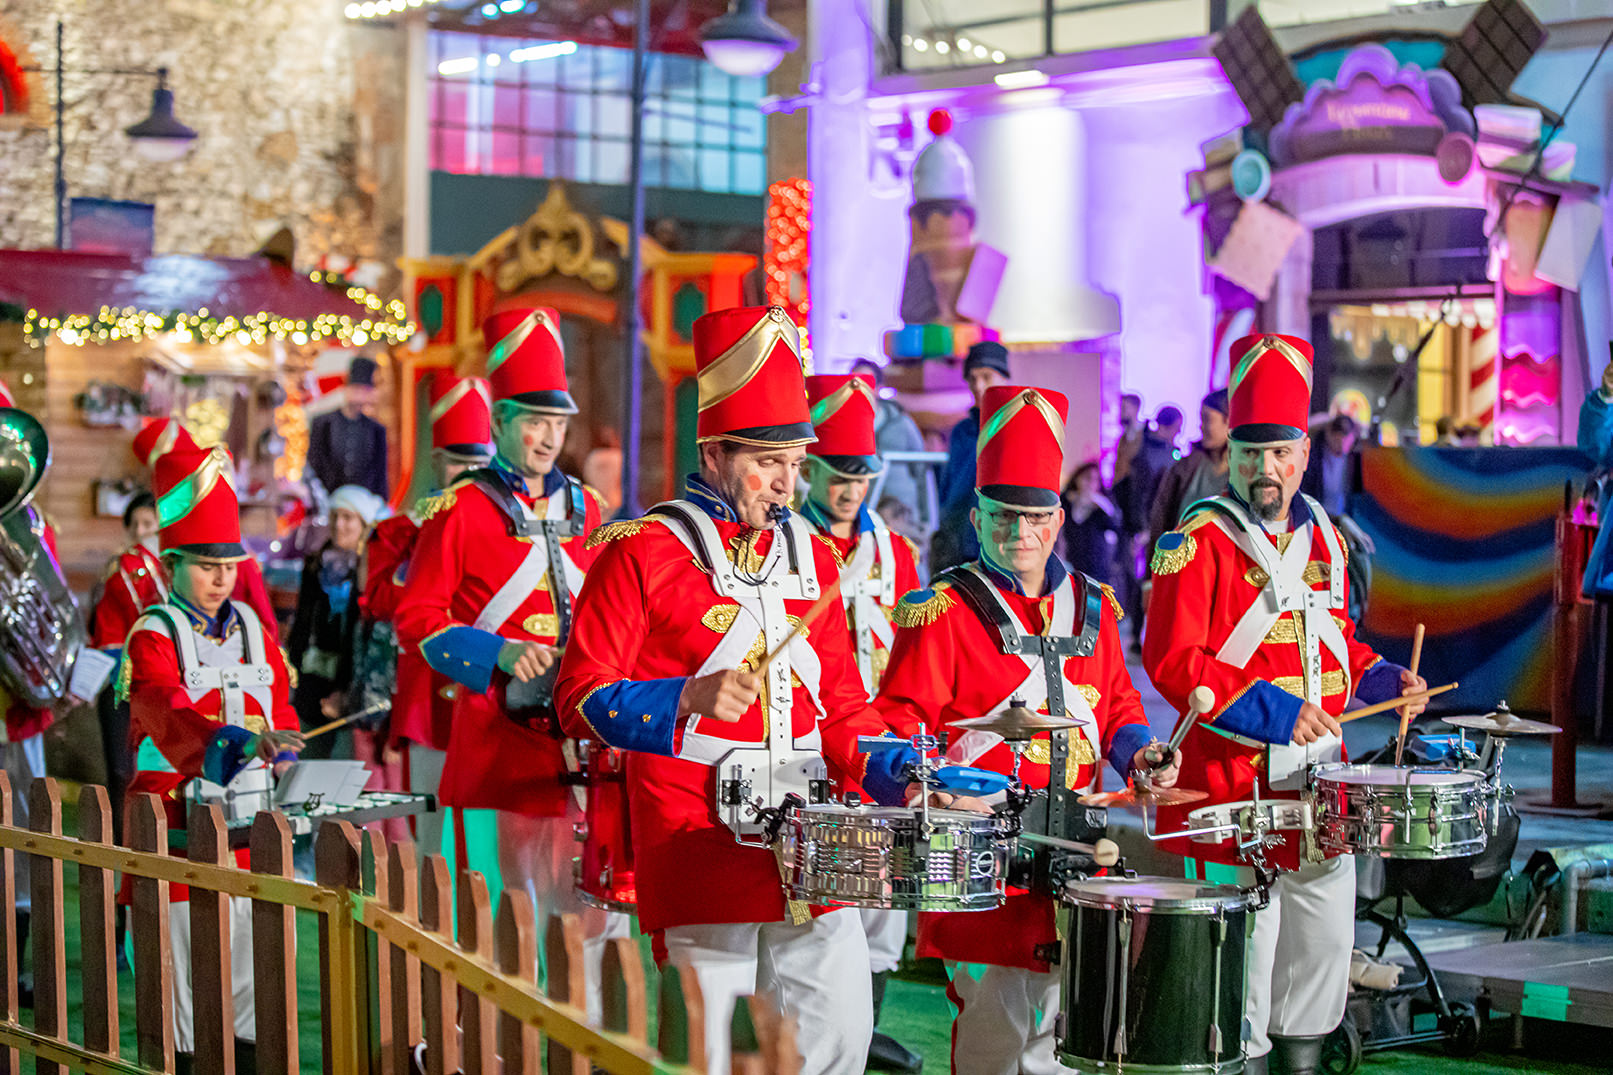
x,y
40,628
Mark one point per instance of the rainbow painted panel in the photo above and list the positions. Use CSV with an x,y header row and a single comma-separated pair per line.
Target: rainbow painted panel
x,y
1465,545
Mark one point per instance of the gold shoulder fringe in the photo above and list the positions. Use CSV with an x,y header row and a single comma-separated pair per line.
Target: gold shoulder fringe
x,y
1168,561
609,532
599,499
923,607
1114,602
120,693
428,506
292,677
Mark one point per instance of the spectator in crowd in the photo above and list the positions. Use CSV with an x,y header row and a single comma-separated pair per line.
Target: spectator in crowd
x,y
347,446
320,646
1131,438
955,542
602,469
1328,478
894,431
1445,431
1200,473
1154,457
1089,525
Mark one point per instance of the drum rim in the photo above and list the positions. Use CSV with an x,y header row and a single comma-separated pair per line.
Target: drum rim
x,y
1320,774
1214,896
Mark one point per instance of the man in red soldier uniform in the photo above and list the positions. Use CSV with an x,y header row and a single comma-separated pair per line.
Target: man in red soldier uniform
x,y
672,625
488,604
209,699
877,568
1249,601
1016,627
423,699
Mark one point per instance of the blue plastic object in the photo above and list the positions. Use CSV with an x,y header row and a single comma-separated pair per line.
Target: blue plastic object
x,y
1433,748
966,778
867,744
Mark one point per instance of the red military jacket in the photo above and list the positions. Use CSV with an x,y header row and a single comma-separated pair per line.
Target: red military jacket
x,y
1203,586
649,618
463,559
171,726
423,700
868,593
947,666
134,580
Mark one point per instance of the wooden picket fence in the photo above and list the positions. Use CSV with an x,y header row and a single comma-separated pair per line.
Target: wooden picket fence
x,y
399,964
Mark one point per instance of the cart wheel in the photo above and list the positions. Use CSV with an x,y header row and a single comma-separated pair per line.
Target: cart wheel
x,y
1341,1052
1462,1031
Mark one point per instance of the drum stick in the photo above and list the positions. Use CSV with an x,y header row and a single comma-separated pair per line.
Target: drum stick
x,y
831,593
1104,852
1396,703
378,707
1405,717
1199,702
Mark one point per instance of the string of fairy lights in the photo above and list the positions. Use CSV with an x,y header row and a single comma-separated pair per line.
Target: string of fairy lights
x,y
387,322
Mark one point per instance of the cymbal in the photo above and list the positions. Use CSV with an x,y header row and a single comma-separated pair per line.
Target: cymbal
x,y
1502,722
1131,795
1015,723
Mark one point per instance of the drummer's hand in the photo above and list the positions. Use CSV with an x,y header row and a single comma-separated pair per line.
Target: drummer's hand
x,y
723,696
942,800
526,661
1148,757
275,742
330,706
1314,724
1411,682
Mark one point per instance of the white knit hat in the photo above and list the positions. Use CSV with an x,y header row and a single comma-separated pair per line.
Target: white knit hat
x,y
360,501
942,169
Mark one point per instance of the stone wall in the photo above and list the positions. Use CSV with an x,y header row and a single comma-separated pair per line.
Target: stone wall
x,y
299,112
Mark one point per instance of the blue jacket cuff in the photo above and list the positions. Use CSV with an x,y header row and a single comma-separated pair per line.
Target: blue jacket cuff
x,y
228,752
1379,683
1124,745
1263,712
885,778
465,655
637,714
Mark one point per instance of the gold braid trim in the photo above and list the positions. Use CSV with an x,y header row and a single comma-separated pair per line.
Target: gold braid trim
x,y
1114,602
1170,561
719,618
428,506
291,673
120,693
1199,519
840,561
916,611
609,532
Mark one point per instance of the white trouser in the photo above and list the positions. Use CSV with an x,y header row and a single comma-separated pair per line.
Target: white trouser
x,y
817,972
23,761
887,936
535,853
1299,956
1003,1020
425,777
241,988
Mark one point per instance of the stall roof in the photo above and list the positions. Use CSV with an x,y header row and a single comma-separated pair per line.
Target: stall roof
x,y
85,297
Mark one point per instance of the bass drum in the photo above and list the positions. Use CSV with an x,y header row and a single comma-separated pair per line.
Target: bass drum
x,y
1153,976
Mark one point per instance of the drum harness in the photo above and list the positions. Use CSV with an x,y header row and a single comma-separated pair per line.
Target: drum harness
x,y
1060,814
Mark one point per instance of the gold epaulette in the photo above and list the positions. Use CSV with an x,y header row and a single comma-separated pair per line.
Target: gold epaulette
x,y
923,607
1114,602
608,532
427,506
291,672
120,692
599,498
912,547
1174,551
1344,547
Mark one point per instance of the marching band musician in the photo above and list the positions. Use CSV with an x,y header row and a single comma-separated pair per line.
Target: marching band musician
x,y
1015,627
423,698
672,625
488,603
877,568
195,727
1249,600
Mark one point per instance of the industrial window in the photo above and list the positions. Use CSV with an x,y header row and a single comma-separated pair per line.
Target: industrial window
x,y
557,109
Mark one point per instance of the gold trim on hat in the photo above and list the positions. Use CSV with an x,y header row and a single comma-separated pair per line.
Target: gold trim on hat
x,y
181,500
499,353
1030,397
464,387
1241,368
829,406
165,441
733,369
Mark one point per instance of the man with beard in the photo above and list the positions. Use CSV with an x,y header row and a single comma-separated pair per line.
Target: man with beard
x,y
666,661
1249,601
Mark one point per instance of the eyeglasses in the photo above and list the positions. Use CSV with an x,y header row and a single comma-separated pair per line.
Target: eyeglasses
x,y
1005,519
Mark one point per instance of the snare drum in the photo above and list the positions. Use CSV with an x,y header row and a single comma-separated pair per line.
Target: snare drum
x,y
604,870
877,856
1153,976
1402,813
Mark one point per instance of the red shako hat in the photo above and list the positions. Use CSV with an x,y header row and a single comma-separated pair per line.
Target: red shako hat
x,y
197,512
461,416
1270,391
748,368
1020,452
158,437
526,361
842,407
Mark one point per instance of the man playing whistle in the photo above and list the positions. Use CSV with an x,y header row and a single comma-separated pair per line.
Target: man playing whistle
x,y
1249,601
